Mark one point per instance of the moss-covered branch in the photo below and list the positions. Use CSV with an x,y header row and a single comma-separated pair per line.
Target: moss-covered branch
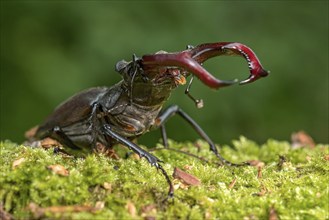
x,y
295,187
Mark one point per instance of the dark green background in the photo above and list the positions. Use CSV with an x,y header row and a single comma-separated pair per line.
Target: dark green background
x,y
53,49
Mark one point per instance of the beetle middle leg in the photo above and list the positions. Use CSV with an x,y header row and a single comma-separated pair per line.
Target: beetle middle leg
x,y
153,160
171,111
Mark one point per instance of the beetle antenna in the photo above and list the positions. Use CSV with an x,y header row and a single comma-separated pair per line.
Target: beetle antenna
x,y
198,102
135,66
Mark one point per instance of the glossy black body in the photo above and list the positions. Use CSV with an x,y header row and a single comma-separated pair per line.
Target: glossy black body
x,y
130,111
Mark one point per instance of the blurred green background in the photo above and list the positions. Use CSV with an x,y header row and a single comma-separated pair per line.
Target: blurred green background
x,y
53,49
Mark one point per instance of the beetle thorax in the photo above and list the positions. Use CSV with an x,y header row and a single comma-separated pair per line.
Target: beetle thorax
x,y
148,94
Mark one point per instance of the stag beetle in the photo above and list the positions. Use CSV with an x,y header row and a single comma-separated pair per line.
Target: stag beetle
x,y
110,115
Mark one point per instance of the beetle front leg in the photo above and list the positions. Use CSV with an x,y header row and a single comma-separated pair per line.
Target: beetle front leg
x,y
171,111
153,160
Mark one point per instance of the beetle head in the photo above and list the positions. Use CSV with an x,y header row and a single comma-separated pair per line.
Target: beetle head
x,y
164,75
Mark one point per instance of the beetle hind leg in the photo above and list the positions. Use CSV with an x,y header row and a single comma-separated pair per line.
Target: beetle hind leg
x,y
171,111
59,135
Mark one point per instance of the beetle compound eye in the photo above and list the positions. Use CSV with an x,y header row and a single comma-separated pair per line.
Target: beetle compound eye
x,y
189,47
120,66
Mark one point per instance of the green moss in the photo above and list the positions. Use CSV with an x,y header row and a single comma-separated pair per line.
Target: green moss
x,y
127,188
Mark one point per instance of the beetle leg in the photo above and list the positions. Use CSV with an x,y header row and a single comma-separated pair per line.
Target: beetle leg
x,y
164,135
58,134
153,160
93,121
172,110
